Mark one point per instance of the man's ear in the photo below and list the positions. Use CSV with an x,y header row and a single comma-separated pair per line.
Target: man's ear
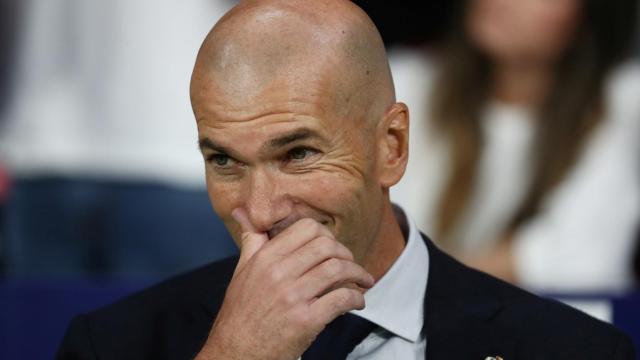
x,y
393,144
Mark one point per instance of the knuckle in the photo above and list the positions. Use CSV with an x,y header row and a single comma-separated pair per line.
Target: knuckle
x,y
290,297
326,244
359,300
345,251
349,254
322,251
243,239
310,224
303,319
334,267
352,298
275,274
343,298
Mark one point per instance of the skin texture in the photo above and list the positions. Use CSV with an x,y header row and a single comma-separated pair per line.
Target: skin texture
x,y
302,139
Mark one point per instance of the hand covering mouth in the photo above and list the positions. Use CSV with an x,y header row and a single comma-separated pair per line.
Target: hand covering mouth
x,y
281,225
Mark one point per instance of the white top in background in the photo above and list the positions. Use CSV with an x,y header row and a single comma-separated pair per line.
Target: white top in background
x,y
103,90
583,237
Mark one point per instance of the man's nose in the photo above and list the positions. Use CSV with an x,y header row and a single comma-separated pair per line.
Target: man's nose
x,y
267,201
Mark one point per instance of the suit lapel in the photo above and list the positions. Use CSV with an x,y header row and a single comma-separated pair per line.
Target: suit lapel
x,y
459,312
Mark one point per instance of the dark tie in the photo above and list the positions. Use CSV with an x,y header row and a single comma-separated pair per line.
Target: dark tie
x,y
339,338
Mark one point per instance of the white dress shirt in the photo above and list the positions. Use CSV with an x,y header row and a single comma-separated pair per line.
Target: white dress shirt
x,y
396,304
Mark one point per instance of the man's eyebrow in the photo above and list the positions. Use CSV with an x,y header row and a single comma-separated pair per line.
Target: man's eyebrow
x,y
275,143
296,135
206,143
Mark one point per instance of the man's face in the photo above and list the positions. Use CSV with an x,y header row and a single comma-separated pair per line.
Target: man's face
x,y
288,152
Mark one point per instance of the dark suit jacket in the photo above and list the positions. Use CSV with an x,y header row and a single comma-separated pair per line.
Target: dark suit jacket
x,y
468,315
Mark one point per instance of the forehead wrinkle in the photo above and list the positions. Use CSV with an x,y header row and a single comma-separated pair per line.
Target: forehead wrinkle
x,y
308,82
222,119
275,101
293,136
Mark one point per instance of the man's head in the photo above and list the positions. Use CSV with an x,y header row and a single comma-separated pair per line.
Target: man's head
x,y
297,118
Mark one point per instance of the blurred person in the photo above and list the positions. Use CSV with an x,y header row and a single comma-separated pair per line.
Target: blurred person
x,y
9,12
303,137
108,180
525,141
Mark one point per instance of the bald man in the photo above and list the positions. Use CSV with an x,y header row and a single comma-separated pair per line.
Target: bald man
x,y
302,138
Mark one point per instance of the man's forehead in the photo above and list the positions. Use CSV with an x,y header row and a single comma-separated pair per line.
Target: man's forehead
x,y
262,60
247,79
274,140
266,127
251,49
293,94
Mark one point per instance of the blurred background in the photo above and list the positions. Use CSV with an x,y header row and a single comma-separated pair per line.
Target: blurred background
x,y
524,150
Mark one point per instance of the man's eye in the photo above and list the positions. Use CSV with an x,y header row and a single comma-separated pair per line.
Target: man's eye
x,y
219,159
300,153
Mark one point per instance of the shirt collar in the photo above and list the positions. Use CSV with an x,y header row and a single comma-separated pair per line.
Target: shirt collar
x,y
396,301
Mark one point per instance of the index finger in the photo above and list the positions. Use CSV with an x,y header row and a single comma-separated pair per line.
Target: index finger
x,y
250,240
298,234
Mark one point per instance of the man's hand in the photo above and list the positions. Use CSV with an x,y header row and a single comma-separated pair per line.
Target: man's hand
x,y
283,292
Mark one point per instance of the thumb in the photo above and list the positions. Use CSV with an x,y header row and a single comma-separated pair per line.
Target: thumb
x,y
251,241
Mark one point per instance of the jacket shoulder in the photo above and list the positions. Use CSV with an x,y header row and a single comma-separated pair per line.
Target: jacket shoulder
x,y
506,316
168,320
551,327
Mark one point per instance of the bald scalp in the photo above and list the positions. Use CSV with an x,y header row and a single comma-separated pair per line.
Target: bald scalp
x,y
260,42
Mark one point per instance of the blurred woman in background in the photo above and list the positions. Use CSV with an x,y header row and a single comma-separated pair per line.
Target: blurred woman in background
x,y
524,149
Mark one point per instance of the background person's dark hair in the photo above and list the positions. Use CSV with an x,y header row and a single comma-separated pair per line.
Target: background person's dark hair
x,y
571,109
409,23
